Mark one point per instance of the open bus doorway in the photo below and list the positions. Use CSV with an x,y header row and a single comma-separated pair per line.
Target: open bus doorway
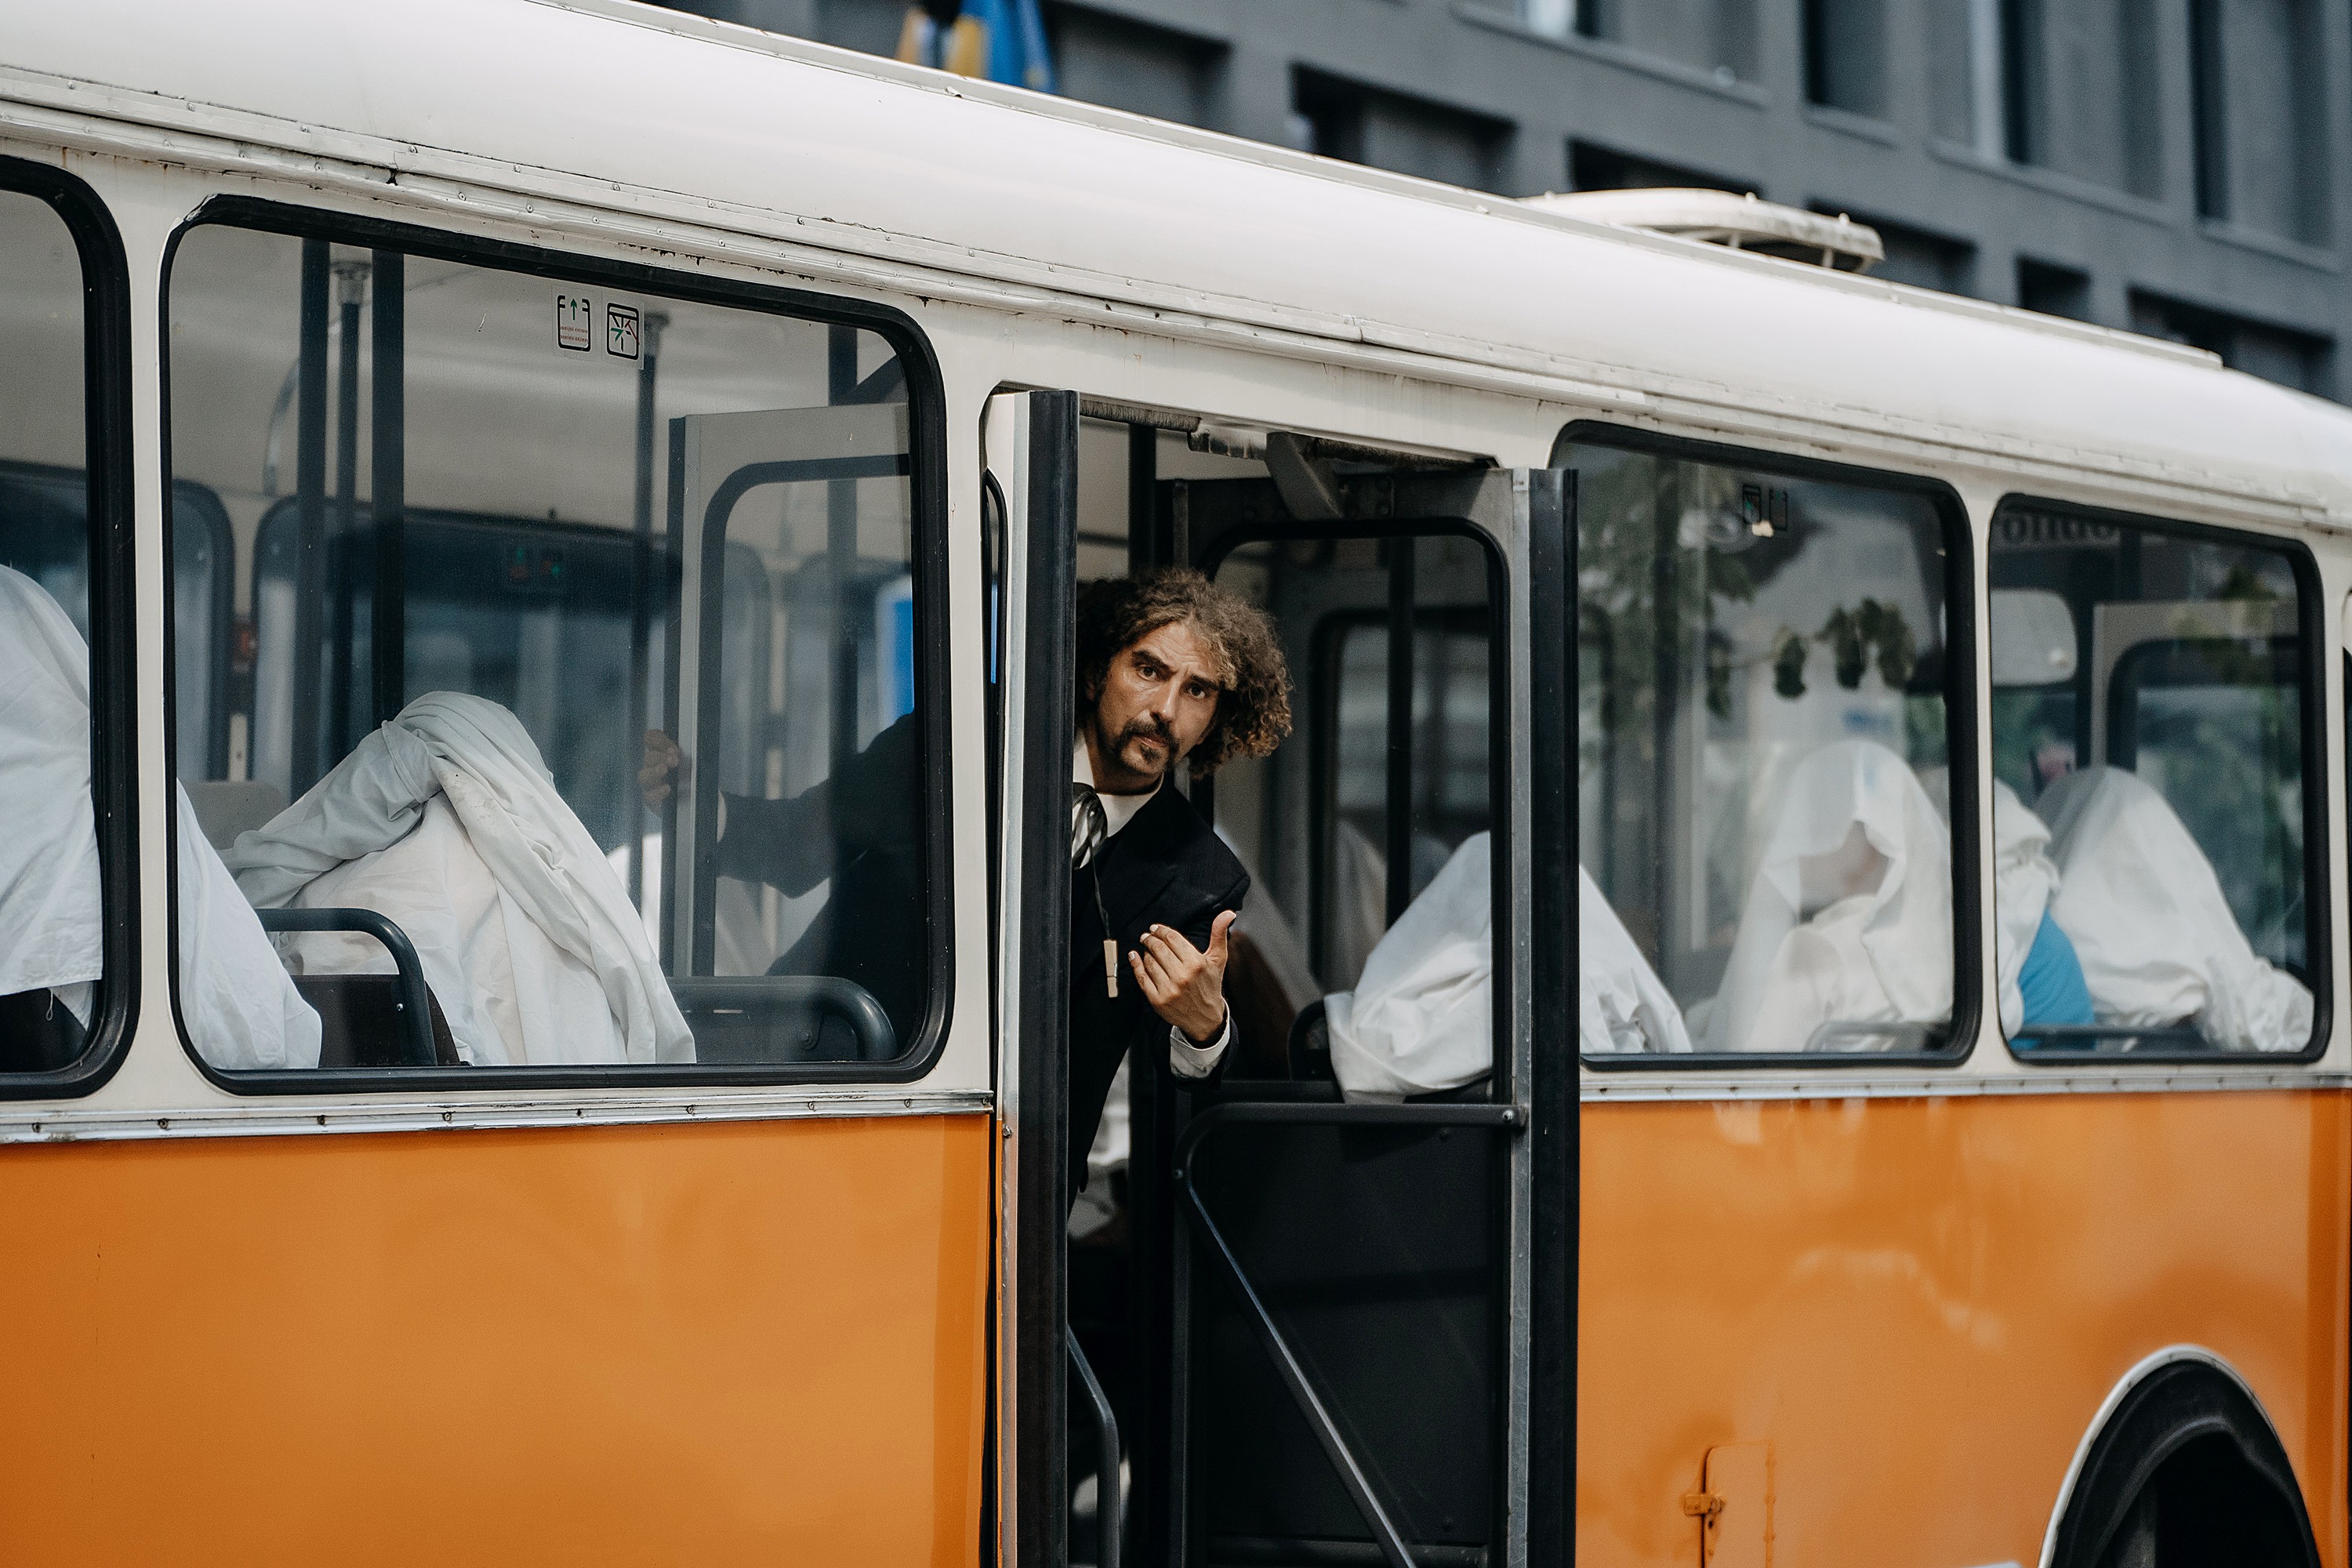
x,y
1290,1294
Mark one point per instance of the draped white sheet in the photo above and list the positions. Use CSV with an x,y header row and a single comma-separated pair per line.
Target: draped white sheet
x,y
1849,920
1622,1004
1421,1017
2151,924
447,820
241,1008
2025,880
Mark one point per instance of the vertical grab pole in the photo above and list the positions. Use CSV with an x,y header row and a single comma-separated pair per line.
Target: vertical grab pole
x,y
311,513
1400,726
641,585
1552,1095
388,489
350,293
841,553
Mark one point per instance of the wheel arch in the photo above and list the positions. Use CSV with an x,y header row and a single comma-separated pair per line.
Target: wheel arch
x,y
2169,1399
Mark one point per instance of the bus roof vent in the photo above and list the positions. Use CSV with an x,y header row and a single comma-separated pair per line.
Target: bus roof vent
x,y
1722,218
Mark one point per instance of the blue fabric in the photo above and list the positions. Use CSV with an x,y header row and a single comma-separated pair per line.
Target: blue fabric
x,y
1017,55
2051,983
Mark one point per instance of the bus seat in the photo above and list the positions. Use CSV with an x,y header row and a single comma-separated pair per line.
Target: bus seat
x,y
227,807
1848,922
2150,925
446,821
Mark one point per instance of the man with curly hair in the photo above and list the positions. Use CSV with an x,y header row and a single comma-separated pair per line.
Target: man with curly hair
x,y
1171,669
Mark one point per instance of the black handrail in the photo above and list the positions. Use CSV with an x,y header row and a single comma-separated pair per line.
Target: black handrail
x,y
416,1002
878,1040
1110,1505
1277,1349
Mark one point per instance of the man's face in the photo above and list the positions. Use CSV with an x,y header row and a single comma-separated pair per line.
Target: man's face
x,y
1159,698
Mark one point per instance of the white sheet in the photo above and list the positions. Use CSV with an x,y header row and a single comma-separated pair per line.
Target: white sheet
x,y
1849,919
2151,924
2024,880
1421,1017
240,1006
1622,1004
447,820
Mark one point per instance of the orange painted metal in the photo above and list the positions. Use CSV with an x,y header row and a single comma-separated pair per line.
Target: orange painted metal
x,y
1920,1304
758,1342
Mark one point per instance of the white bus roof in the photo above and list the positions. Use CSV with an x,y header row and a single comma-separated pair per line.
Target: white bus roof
x,y
541,108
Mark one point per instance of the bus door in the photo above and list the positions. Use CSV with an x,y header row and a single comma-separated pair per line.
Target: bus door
x,y
1029,555
1365,1354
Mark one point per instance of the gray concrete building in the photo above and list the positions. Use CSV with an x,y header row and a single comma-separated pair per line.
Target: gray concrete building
x,y
2178,167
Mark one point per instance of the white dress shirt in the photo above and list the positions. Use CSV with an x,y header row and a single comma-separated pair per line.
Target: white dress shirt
x,y
1185,1060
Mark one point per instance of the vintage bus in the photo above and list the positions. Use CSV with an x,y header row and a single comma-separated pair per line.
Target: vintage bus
x,y
1786,1009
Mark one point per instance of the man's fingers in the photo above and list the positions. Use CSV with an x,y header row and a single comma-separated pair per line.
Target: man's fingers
x,y
1217,929
1178,947
1155,989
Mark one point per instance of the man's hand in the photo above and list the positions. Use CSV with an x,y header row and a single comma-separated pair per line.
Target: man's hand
x,y
665,764
1183,984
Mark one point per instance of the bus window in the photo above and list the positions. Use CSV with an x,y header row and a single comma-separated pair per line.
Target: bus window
x,y
2147,717
52,918
1764,741
1381,805
582,697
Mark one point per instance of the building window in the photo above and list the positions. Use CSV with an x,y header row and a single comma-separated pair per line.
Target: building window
x,y
1143,69
2302,359
2258,116
1592,167
2070,88
1845,55
1916,255
2054,289
1338,119
1717,35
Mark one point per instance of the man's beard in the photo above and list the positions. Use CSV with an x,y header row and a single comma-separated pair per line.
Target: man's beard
x,y
1140,728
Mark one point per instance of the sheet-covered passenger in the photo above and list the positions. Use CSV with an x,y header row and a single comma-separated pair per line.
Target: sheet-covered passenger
x,y
1849,918
1422,1018
2152,927
2040,980
447,820
241,1008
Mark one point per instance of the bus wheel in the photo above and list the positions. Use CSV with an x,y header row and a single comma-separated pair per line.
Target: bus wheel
x,y
2186,1473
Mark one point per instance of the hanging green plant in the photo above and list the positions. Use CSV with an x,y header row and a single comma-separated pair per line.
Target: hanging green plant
x,y
1789,665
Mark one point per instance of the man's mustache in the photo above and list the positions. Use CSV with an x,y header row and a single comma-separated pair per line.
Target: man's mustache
x,y
1147,729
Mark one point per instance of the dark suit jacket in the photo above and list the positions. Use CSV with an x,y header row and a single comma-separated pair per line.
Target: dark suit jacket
x,y
861,828
1165,868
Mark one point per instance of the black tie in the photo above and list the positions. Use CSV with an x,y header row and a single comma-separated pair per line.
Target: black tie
x,y
1089,826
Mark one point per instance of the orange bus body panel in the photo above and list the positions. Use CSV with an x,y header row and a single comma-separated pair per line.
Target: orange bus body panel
x,y
709,1344
1921,1304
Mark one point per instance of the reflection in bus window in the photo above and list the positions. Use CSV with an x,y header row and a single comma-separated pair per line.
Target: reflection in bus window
x,y
511,542
51,921
1761,719
2148,704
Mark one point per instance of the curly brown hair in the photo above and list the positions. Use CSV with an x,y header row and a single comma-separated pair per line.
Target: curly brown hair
x,y
1254,715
